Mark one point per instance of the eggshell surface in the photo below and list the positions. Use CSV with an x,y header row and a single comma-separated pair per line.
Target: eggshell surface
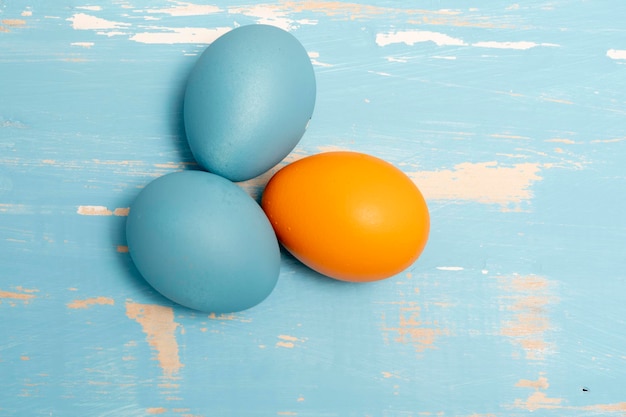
x,y
348,215
202,242
248,101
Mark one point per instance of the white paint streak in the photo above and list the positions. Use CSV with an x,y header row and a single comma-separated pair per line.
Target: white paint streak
x,y
82,21
90,8
313,56
521,45
411,37
180,35
186,9
616,53
83,44
111,33
271,15
384,74
101,211
394,59
483,182
450,268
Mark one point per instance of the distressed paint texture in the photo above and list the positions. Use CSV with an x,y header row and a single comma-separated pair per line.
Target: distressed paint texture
x,y
528,298
485,182
89,302
101,211
157,322
509,117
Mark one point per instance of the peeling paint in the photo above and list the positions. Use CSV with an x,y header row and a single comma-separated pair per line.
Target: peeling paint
x,y
412,329
102,211
185,35
86,303
614,140
560,140
540,384
483,182
450,268
288,342
83,45
528,298
230,317
538,400
83,21
616,53
157,322
355,11
186,9
270,14
607,408
556,100
507,136
411,37
14,22
90,8
313,56
521,45
16,296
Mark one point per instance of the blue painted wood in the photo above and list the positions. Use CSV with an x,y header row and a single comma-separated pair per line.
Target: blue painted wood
x,y
508,116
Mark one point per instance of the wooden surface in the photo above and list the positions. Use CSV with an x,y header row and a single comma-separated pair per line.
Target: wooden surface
x,y
511,118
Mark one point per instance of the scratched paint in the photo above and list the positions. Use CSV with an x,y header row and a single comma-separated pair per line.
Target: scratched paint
x,y
10,295
411,327
487,182
529,298
538,400
101,211
616,54
282,15
157,322
89,302
288,342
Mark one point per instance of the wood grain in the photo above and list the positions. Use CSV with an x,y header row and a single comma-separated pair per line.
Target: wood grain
x,y
509,116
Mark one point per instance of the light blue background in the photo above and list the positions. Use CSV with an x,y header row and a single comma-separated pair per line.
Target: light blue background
x,y
90,124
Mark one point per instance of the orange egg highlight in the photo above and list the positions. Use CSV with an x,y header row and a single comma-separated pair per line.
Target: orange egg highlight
x,y
348,215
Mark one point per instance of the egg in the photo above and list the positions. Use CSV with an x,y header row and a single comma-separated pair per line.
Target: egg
x,y
248,101
348,215
202,242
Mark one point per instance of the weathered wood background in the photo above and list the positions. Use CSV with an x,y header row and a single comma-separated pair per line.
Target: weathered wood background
x,y
511,118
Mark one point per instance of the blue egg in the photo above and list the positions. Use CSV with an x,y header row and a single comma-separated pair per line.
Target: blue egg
x,y
248,101
202,242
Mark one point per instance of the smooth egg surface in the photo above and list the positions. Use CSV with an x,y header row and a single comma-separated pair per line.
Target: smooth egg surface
x,y
348,215
248,101
202,242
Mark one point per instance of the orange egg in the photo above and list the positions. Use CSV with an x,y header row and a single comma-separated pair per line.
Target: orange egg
x,y
348,215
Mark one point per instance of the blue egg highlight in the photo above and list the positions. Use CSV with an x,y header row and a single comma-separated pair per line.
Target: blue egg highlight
x,y
203,242
248,101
